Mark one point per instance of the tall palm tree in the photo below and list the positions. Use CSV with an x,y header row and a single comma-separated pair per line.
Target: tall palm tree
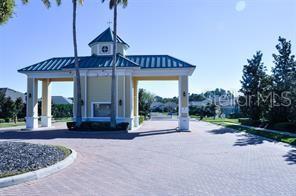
x,y
6,10
76,62
78,102
113,5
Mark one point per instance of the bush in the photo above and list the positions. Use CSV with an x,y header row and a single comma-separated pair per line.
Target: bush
x,y
62,110
2,121
249,122
97,126
234,115
141,119
7,120
284,126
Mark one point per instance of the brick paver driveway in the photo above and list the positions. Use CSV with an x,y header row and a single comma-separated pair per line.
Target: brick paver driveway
x,y
157,160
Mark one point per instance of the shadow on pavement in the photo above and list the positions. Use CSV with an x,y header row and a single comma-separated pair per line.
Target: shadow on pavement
x,y
249,139
243,139
290,157
53,134
246,139
222,131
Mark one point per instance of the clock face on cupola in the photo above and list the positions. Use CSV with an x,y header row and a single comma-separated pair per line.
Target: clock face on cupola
x,y
103,44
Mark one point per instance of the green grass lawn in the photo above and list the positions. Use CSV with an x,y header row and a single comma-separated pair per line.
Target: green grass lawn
x,y
5,125
234,124
66,119
222,121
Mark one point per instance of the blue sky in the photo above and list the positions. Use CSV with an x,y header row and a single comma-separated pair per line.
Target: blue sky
x,y
216,35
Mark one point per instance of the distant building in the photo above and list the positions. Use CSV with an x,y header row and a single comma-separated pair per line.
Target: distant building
x,y
228,105
59,100
13,94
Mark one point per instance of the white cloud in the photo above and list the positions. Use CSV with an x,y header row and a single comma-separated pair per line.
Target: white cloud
x,y
240,6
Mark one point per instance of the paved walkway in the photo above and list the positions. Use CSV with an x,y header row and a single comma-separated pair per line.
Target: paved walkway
x,y
157,160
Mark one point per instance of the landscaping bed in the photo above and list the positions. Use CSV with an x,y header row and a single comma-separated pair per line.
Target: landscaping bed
x,y
97,126
19,157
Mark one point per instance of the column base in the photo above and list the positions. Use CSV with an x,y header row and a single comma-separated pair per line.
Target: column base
x,y
45,121
183,123
31,122
136,121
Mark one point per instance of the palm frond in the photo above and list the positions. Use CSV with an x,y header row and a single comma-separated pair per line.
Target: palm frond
x,y
124,3
46,3
25,1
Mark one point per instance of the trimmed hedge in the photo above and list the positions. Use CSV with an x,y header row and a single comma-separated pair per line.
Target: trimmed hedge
x,y
97,126
284,126
249,122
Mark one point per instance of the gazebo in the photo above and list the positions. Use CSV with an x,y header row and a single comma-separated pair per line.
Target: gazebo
x,y
96,72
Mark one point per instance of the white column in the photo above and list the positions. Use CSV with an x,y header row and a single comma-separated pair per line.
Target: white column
x,y
46,103
136,103
85,103
74,99
32,104
183,103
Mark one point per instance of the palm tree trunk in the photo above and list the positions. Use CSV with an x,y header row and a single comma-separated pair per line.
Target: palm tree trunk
x,y
114,83
77,73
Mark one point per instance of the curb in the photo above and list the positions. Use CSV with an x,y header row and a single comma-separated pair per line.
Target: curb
x,y
41,173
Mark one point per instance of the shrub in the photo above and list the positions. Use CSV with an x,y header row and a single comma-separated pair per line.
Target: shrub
x,y
249,122
97,126
2,121
71,125
234,115
284,126
141,119
7,120
62,110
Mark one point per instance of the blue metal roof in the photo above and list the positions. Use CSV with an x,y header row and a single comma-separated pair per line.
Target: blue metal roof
x,y
53,64
107,36
158,61
92,62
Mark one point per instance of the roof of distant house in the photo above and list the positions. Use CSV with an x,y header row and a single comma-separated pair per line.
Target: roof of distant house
x,y
59,100
13,94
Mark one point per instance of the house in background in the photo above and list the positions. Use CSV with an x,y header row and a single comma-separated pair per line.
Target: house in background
x,y
227,104
59,100
96,72
13,94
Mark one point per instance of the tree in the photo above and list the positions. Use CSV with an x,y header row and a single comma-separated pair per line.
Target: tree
x,y
19,105
113,5
196,97
78,102
6,10
283,80
2,101
8,108
145,101
253,84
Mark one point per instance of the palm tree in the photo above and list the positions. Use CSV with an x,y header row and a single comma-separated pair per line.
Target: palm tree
x,y
113,5
78,102
76,62
7,8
